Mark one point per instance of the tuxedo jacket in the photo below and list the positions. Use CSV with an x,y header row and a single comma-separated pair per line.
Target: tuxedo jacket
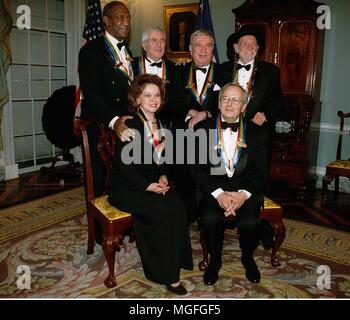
x,y
172,100
266,94
104,85
251,169
210,103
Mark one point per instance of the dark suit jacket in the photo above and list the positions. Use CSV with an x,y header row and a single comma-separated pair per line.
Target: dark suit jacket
x,y
251,170
266,95
104,86
190,102
172,99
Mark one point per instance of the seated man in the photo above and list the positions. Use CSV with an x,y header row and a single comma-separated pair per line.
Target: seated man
x,y
234,184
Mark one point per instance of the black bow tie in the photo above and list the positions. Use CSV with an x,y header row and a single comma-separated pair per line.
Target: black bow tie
x,y
120,45
234,126
240,66
156,64
204,70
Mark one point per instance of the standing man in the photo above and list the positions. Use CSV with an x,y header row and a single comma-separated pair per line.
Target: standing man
x,y
105,72
198,80
152,61
234,188
260,79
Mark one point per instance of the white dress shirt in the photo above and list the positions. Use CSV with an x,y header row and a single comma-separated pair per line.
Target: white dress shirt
x,y
200,78
153,69
229,141
244,75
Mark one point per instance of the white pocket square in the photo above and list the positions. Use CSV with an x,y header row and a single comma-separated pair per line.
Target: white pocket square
x,y
216,88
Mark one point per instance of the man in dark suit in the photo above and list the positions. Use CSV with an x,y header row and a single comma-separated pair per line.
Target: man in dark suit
x,y
105,72
231,181
198,80
153,61
260,79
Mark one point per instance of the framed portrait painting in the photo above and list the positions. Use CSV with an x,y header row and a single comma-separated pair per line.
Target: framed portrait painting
x,y
179,23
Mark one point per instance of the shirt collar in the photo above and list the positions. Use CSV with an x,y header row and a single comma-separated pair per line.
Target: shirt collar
x,y
251,62
113,40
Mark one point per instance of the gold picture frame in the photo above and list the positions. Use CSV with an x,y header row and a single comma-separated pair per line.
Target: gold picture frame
x,y
179,23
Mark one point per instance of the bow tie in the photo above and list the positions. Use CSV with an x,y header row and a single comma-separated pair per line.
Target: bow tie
x,y
156,64
204,70
234,126
120,45
247,67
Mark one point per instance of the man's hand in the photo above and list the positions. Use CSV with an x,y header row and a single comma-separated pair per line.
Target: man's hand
x,y
226,202
123,131
238,198
259,118
157,188
198,117
163,181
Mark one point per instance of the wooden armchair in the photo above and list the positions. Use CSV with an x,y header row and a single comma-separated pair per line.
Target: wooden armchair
x,y
338,167
113,221
271,212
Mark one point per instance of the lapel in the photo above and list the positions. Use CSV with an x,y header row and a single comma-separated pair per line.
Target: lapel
x,y
243,153
191,85
258,91
114,60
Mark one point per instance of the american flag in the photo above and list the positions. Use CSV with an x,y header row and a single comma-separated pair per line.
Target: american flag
x,y
93,29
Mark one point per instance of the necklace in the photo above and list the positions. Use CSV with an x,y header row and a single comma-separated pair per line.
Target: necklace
x,y
250,83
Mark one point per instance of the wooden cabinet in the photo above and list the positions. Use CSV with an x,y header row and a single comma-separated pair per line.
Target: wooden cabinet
x,y
295,44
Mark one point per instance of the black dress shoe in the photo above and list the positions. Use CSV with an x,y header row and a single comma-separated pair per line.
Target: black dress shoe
x,y
210,276
252,272
180,290
266,234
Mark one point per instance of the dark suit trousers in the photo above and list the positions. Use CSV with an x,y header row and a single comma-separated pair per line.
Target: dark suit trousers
x,y
212,224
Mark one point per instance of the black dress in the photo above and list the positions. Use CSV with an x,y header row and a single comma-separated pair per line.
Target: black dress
x,y
159,221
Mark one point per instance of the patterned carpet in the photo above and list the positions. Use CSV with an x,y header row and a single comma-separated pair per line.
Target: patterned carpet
x,y
60,267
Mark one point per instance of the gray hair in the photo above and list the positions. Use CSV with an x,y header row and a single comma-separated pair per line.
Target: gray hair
x,y
231,84
147,31
200,33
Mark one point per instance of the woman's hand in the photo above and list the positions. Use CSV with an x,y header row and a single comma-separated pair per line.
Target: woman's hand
x,y
163,181
156,187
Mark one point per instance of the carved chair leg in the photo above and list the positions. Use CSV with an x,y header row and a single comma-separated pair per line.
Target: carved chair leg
x,y
203,265
279,235
327,179
91,234
110,246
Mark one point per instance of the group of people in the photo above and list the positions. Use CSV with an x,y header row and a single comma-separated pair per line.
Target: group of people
x,y
139,98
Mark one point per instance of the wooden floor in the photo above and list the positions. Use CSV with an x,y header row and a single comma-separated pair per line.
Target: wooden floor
x,y
32,186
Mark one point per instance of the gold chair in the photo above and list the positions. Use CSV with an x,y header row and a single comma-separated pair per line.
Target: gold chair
x,y
271,212
113,221
339,167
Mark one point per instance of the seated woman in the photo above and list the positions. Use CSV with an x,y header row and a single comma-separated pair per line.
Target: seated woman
x,y
158,213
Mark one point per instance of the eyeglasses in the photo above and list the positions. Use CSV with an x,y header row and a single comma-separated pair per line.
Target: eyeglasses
x,y
233,100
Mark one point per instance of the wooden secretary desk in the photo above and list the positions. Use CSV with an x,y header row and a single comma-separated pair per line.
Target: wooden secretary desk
x,y
295,44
